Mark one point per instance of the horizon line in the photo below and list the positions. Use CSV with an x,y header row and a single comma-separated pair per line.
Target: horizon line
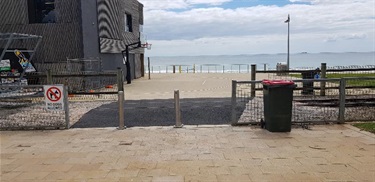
x,y
265,54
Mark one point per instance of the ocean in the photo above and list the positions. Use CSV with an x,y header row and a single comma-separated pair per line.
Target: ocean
x,y
236,63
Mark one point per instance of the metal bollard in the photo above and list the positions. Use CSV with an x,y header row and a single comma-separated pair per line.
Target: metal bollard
x,y
178,109
121,110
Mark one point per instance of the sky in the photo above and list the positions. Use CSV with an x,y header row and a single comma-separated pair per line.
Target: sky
x,y
235,27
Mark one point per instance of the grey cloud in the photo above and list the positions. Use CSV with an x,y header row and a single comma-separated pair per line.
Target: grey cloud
x,y
346,37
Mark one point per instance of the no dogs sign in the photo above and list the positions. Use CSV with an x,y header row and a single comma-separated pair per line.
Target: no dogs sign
x,y
54,97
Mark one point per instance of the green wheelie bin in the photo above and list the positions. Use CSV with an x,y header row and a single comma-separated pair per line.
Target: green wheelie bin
x,y
277,100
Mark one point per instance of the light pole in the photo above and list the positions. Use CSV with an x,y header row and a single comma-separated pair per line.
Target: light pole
x,y
287,61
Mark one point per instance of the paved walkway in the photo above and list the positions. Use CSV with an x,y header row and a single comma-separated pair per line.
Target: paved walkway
x,y
203,153
191,153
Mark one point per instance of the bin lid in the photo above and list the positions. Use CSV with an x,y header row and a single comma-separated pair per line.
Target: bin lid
x,y
277,82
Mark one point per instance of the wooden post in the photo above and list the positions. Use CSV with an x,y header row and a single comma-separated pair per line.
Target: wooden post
x,y
66,107
323,76
234,102
342,100
253,77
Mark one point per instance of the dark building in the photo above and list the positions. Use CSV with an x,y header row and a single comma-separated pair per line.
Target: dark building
x,y
78,29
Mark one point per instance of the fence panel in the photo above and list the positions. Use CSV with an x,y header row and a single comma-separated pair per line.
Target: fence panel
x,y
360,99
309,104
23,107
247,108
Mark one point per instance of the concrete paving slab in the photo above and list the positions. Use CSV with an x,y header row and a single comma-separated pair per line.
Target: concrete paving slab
x,y
192,153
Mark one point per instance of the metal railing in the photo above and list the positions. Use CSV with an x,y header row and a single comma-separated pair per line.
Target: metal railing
x,y
345,99
199,68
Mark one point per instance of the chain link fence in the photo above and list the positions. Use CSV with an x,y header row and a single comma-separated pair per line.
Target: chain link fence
x,y
24,107
316,101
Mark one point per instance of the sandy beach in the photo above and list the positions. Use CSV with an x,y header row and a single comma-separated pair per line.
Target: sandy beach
x,y
191,85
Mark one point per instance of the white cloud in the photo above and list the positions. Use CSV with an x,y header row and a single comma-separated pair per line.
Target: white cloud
x,y
323,25
330,1
165,4
338,37
178,4
209,2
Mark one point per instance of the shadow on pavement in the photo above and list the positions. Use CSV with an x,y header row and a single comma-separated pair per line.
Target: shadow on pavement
x,y
197,111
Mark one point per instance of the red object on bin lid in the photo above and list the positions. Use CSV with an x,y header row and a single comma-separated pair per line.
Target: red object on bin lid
x,y
277,82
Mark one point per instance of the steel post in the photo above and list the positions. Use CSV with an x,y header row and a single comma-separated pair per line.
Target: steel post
x,y
6,46
121,110
178,109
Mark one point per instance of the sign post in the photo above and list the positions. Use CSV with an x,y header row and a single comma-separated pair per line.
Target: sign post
x,y
54,97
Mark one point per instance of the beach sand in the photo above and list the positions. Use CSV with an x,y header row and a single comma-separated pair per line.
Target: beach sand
x,y
190,85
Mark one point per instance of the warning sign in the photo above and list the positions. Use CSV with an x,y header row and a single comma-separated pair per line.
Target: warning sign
x,y
54,97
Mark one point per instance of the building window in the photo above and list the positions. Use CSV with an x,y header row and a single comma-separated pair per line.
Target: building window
x,y
128,23
41,11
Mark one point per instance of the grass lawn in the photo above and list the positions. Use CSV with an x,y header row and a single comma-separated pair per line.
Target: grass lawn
x,y
370,127
346,75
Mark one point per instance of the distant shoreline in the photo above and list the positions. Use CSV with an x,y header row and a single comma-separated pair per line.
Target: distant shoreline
x,y
208,55
232,62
